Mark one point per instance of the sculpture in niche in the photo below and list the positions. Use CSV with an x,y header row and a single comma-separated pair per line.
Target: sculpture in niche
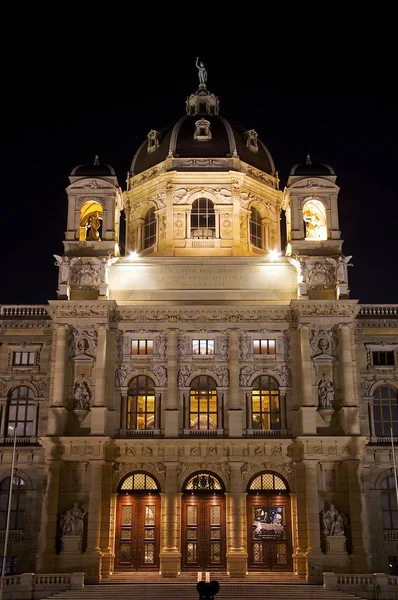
x,y
222,346
162,346
72,522
244,346
81,395
326,392
94,224
162,227
333,522
84,342
252,140
182,345
202,73
314,216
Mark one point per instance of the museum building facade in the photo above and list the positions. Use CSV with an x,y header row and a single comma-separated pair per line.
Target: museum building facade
x,y
210,400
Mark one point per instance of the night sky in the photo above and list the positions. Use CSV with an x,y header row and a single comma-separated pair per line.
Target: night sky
x,y
59,116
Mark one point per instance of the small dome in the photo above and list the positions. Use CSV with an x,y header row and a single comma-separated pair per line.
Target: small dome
x,y
310,170
94,170
202,136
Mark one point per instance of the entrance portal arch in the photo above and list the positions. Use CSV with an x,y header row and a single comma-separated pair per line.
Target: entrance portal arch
x,y
137,523
203,522
269,530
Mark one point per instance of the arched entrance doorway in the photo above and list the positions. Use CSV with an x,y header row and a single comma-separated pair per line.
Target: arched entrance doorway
x,y
203,523
137,523
269,531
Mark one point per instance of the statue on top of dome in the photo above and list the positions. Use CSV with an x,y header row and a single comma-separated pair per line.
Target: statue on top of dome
x,y
202,72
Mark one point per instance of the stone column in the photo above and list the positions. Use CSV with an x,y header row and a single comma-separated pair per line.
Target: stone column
x,y
171,411
349,417
107,520
314,551
49,514
99,410
307,409
57,411
236,518
92,555
361,554
139,239
235,413
170,555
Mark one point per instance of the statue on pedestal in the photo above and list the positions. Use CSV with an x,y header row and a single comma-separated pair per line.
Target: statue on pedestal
x,y
202,73
72,522
333,522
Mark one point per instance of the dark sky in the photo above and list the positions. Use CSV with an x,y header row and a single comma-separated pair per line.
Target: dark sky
x,y
60,114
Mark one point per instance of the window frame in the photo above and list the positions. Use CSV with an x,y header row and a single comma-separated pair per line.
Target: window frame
x,y
378,408
24,402
132,408
17,514
205,217
258,226
203,342
263,395
147,344
201,397
263,344
388,492
385,353
149,229
31,354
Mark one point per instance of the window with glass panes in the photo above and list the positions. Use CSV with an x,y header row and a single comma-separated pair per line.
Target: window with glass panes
x,y
383,358
150,228
385,411
202,346
203,219
256,235
265,407
17,514
389,503
203,404
264,346
21,359
21,410
141,347
141,404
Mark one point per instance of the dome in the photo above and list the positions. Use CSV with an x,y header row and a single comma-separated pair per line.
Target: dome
x,y
94,170
310,170
202,136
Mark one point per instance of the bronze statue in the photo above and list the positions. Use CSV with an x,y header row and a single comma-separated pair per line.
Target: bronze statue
x,y
202,72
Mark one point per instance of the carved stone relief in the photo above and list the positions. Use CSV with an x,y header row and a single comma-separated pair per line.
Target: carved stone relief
x,y
84,342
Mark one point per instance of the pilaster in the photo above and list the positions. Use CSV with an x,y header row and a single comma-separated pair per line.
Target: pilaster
x,y
236,502
57,413
99,410
234,404
46,560
171,412
92,556
170,556
307,409
348,413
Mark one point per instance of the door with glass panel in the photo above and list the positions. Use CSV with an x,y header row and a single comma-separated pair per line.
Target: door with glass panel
x,y
269,524
203,524
137,524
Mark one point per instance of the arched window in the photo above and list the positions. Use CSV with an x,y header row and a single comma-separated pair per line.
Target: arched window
x,y
203,404
203,219
314,216
389,503
17,515
265,404
150,228
138,482
385,411
256,234
21,411
141,404
267,482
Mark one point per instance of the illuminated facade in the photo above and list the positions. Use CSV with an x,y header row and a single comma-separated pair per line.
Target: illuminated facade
x,y
209,400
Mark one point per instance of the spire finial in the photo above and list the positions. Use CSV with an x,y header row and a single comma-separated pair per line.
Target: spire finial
x,y
96,160
308,161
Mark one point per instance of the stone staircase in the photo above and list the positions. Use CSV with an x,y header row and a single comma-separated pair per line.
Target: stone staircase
x,y
258,586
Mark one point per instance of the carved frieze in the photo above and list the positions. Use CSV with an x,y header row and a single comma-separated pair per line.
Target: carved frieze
x,y
283,372
83,342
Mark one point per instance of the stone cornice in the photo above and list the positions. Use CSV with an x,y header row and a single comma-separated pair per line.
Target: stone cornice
x,y
203,315
345,310
100,311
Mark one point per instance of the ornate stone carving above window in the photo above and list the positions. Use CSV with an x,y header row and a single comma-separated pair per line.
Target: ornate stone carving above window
x,y
153,140
202,131
252,140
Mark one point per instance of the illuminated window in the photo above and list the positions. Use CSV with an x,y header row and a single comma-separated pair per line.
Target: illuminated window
x,y
389,503
383,358
141,404
17,515
267,482
202,346
256,228
139,482
265,408
385,411
22,359
141,346
150,228
203,219
203,404
21,410
264,347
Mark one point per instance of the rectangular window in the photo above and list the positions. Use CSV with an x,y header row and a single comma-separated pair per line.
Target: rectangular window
x,y
383,358
22,359
141,347
202,346
264,347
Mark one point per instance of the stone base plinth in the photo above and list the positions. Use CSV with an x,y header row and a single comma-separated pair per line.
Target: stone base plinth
x,y
170,564
71,544
237,564
336,544
349,421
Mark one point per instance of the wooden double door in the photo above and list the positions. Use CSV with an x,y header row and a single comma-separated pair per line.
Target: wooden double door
x,y
269,532
137,531
203,531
